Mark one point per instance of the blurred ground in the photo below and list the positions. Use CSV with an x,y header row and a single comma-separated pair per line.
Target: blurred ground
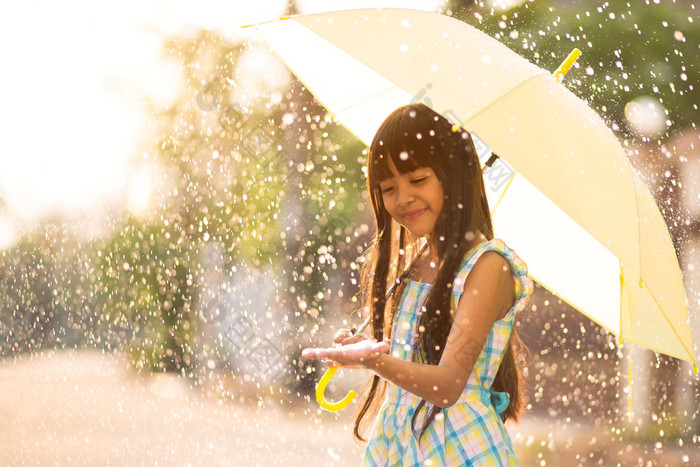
x,y
86,408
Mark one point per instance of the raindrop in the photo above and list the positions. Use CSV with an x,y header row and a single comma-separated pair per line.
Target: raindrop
x,y
288,118
645,115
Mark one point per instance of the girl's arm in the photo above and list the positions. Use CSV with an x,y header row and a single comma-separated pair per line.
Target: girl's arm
x,y
489,293
430,382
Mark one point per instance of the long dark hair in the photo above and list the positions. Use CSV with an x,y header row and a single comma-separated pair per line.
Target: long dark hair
x,y
430,141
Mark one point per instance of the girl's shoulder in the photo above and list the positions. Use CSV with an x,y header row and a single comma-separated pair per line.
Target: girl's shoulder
x,y
524,284
495,244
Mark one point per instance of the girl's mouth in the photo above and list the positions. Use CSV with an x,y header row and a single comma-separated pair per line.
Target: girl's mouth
x,y
413,214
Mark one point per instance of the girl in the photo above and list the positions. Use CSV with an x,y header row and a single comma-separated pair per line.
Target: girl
x,y
443,354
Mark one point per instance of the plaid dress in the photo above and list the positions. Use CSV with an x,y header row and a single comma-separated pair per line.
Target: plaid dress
x,y
471,431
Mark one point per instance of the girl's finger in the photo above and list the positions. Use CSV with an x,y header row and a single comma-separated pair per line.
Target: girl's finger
x,y
352,339
309,353
341,334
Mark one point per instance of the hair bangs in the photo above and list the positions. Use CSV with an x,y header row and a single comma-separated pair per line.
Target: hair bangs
x,y
408,141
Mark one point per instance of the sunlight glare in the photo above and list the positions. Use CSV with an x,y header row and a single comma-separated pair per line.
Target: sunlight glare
x,y
76,99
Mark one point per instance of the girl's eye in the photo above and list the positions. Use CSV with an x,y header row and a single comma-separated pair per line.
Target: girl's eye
x,y
415,181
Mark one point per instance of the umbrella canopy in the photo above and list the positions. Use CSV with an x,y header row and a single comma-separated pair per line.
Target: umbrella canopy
x,y
563,192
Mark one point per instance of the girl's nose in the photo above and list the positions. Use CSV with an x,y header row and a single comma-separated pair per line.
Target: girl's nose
x,y
405,197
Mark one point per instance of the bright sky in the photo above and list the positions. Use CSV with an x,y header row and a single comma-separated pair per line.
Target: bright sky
x,y
75,74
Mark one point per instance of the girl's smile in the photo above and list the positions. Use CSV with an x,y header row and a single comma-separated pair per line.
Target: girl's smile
x,y
413,199
413,214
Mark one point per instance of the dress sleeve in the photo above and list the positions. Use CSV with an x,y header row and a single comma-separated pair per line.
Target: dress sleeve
x,y
524,285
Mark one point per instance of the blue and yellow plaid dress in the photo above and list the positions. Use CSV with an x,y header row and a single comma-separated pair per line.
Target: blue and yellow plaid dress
x,y
471,431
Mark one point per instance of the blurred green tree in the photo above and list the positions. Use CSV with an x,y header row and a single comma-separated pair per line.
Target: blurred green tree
x,y
45,279
268,184
629,50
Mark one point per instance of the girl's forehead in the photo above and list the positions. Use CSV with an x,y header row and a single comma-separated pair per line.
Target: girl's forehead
x,y
390,170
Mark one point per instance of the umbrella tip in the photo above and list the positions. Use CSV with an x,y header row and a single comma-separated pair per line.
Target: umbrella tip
x,y
567,64
255,24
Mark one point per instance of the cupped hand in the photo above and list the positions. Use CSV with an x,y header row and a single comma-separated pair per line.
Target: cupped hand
x,y
357,355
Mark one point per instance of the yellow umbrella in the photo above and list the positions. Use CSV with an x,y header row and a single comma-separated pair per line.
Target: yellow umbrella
x,y
597,239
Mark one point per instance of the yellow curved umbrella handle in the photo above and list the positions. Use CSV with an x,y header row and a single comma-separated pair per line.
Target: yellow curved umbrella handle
x,y
321,389
566,64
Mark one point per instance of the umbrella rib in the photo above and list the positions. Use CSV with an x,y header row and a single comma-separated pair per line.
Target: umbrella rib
x,y
504,191
623,285
653,297
639,224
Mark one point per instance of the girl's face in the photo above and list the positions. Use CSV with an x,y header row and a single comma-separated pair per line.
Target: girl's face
x,y
414,199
